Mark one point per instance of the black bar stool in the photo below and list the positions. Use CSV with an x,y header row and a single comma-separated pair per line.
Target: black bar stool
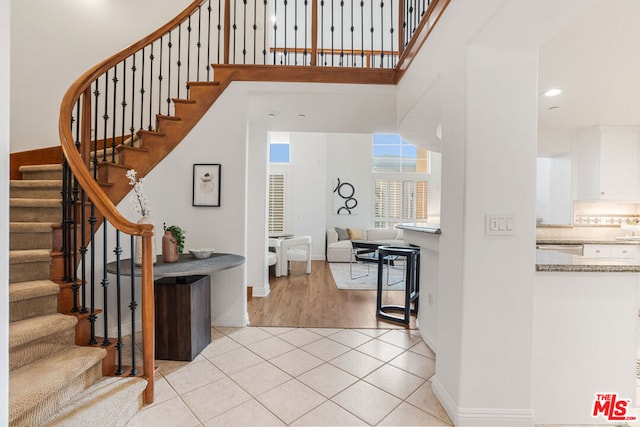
x,y
411,256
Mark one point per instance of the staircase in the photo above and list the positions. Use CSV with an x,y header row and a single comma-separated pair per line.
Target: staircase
x,y
52,381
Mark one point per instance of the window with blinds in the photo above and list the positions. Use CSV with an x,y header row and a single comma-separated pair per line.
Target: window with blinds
x,y
398,201
276,203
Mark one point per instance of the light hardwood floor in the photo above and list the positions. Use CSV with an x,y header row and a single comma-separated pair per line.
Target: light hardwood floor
x,y
314,301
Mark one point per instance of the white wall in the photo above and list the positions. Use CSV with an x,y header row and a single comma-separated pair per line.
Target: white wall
x,y
305,188
5,61
53,43
350,160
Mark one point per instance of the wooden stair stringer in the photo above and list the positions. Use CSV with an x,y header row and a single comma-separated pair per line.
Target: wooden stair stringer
x,y
156,145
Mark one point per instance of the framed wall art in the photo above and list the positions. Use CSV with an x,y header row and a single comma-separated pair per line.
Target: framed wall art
x,y
206,184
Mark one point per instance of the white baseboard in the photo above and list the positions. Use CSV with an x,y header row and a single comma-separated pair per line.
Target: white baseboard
x,y
261,291
427,338
480,417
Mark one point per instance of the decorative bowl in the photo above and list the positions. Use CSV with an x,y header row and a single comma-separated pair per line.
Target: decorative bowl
x,y
201,253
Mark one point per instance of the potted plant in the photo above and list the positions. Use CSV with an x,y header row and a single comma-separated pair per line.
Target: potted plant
x,y
172,242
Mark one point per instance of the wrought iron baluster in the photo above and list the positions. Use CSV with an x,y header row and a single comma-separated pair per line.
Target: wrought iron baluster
x,y
142,92
208,66
188,75
118,251
178,62
235,28
133,96
341,62
92,291
353,56
132,306
332,28
415,17
219,27
169,46
105,117
362,32
286,42
307,26
391,31
199,44
151,58
381,33
124,97
83,252
244,32
275,31
322,58
372,31
96,96
105,283
295,33
64,225
160,78
115,81
255,29
264,34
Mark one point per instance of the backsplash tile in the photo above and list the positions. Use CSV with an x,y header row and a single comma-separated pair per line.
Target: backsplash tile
x,y
604,213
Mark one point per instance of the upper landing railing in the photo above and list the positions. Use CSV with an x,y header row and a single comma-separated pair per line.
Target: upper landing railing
x,y
126,92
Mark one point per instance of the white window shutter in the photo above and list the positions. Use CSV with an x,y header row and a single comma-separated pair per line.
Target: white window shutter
x,y
276,203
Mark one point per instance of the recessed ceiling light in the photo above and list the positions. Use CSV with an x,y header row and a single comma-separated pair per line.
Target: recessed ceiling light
x,y
555,107
272,115
552,92
301,116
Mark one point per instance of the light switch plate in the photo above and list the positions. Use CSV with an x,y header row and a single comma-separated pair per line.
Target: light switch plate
x,y
499,225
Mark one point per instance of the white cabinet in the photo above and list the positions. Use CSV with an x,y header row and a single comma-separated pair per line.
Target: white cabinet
x,y
596,251
611,251
607,164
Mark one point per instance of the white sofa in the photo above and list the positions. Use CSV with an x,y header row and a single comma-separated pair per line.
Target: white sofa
x,y
340,250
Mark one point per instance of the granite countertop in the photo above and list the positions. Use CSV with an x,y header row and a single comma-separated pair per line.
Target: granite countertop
x,y
577,241
557,261
423,227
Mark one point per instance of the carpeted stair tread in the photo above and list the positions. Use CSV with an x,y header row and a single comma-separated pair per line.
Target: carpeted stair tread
x,y
29,255
32,385
34,329
39,337
35,203
40,170
110,402
36,183
31,227
31,168
32,289
35,188
30,235
32,299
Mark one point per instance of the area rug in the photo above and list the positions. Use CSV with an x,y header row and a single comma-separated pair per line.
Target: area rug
x,y
340,272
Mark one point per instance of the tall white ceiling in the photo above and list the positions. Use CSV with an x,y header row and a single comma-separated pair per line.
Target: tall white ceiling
x,y
596,61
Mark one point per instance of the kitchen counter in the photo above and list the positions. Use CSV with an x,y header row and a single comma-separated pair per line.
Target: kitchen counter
x,y
561,262
577,241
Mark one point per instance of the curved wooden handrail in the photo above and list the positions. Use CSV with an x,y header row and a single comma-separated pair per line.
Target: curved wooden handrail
x,y
90,186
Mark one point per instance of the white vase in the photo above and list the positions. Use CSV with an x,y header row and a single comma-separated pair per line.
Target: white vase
x,y
138,255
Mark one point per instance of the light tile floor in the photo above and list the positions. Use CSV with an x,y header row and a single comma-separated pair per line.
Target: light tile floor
x,y
301,377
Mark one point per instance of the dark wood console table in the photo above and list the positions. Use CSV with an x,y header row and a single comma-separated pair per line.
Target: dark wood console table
x,y
183,301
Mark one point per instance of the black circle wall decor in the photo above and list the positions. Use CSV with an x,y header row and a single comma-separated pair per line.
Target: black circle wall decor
x,y
346,191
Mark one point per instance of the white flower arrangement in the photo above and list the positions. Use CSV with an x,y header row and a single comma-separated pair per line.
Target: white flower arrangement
x,y
139,203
